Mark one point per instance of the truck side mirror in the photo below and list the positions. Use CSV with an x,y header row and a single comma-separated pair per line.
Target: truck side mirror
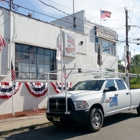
x,y
106,90
112,88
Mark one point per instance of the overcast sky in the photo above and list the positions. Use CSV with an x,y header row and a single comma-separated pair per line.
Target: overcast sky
x,y
92,11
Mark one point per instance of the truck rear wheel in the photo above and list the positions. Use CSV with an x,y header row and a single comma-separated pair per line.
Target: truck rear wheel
x,y
138,110
96,120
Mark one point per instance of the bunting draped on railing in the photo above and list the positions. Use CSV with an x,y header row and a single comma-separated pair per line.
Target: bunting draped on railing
x,y
40,88
6,89
58,86
37,88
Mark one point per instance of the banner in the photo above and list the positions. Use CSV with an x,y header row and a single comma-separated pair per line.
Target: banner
x,y
6,89
37,89
58,86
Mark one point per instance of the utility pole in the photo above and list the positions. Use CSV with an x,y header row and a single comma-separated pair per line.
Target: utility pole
x,y
127,46
11,4
74,26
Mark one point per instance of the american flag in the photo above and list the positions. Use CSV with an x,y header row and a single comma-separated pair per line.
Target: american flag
x,y
126,60
64,72
105,14
70,40
2,43
59,47
99,56
13,74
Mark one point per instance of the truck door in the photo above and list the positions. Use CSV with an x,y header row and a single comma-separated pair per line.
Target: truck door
x,y
110,97
123,95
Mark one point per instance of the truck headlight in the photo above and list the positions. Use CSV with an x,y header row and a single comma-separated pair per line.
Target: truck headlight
x,y
80,104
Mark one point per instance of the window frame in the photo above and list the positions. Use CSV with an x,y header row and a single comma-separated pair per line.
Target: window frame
x,y
122,82
32,57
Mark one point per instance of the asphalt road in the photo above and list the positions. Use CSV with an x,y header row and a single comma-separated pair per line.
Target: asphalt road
x,y
123,126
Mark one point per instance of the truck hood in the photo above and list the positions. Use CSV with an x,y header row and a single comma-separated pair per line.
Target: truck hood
x,y
78,95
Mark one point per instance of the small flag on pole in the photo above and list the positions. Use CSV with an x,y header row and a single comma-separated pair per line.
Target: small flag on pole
x,y
59,47
126,60
58,53
105,14
99,57
2,43
13,74
64,72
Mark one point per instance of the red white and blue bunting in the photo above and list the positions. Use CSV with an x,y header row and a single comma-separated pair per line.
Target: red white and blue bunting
x,y
6,89
37,88
58,86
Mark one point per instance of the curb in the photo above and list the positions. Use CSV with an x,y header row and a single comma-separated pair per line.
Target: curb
x,y
30,127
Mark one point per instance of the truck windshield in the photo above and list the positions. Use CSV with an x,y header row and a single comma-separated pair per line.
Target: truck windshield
x,y
88,85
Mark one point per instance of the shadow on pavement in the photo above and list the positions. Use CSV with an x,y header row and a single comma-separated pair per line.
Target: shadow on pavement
x,y
118,118
54,133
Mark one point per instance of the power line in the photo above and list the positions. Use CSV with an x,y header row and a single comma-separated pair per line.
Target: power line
x,y
61,19
5,20
55,18
48,16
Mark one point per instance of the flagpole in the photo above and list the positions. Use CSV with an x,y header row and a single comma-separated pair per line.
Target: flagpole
x,y
66,93
12,89
100,62
61,58
100,16
13,99
11,55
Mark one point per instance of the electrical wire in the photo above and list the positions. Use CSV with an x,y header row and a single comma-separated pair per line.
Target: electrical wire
x,y
57,18
5,20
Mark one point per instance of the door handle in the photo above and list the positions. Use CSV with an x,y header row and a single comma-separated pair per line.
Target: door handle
x,y
116,94
127,93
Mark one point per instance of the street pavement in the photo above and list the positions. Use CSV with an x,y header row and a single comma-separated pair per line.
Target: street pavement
x,y
21,123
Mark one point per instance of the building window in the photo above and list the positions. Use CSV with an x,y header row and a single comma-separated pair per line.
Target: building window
x,y
31,61
107,47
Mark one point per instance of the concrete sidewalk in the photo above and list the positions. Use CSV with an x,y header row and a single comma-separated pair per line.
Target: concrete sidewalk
x,y
20,123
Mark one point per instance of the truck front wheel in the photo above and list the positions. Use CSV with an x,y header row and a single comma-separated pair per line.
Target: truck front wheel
x,y
96,120
138,110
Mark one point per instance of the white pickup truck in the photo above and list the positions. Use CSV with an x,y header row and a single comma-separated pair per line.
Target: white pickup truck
x,y
88,102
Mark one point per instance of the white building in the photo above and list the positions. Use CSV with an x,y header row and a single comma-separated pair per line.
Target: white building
x,y
31,45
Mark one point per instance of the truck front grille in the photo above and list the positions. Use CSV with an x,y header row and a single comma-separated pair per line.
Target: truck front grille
x,y
58,105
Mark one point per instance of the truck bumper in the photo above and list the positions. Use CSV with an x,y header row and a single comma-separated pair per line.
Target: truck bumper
x,y
75,117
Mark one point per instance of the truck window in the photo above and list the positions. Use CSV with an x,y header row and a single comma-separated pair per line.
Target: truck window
x,y
120,84
88,85
110,83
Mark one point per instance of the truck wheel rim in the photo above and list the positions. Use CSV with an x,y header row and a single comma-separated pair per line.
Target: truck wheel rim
x,y
96,120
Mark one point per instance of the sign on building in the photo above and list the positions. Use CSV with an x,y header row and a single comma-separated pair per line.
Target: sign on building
x,y
106,33
69,45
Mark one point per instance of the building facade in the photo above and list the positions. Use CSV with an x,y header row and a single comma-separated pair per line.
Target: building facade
x,y
32,45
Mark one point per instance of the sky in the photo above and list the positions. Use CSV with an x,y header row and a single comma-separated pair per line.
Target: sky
x,y
92,12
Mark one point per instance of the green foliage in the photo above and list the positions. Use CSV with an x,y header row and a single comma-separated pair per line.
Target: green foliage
x,y
134,86
135,68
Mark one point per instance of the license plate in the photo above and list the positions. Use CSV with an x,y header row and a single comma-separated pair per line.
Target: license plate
x,y
56,119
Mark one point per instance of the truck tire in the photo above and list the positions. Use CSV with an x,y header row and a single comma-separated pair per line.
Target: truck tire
x,y
96,120
138,110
